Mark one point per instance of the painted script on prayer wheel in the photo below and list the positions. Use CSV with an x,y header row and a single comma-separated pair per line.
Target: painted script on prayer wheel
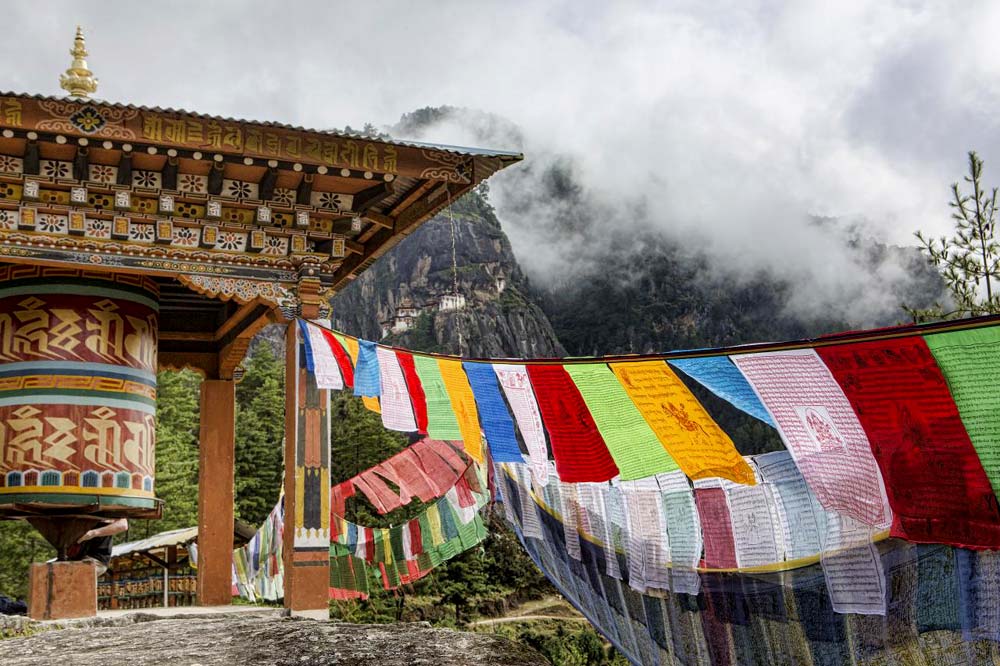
x,y
77,387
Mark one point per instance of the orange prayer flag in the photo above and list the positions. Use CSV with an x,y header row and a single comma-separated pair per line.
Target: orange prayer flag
x,y
700,447
463,403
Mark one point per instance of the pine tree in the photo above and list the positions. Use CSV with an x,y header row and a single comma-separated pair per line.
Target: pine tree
x,y
177,414
969,261
260,431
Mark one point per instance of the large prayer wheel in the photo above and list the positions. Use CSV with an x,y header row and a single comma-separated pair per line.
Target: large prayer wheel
x,y
77,393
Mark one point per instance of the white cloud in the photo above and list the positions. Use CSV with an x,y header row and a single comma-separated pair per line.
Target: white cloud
x,y
727,122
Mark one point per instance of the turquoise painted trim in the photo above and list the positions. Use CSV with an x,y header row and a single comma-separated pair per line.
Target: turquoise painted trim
x,y
80,367
70,498
79,290
139,404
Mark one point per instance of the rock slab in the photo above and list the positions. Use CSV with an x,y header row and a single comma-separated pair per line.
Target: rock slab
x,y
263,639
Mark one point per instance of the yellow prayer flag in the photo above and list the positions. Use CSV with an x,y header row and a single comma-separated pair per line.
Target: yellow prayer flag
x,y
372,404
463,403
700,447
351,345
434,520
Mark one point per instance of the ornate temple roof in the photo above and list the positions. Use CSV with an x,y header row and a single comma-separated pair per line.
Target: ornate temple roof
x,y
237,220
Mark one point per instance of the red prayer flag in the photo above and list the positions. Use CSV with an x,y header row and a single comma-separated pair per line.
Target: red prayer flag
x,y
578,448
415,388
716,527
343,360
381,497
936,485
438,473
416,538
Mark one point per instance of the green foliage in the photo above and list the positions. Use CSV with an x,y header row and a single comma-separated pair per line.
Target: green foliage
x,y
969,261
260,431
563,643
20,545
177,414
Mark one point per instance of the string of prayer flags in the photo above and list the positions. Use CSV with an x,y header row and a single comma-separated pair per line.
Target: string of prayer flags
x,y
517,388
463,403
441,420
970,362
632,443
579,451
497,425
819,427
394,398
258,565
367,379
684,428
721,377
936,485
898,429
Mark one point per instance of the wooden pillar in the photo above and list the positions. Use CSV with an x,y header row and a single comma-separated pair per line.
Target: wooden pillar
x,y
307,485
215,492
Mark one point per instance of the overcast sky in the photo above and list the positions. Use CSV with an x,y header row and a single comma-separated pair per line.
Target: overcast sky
x,y
729,124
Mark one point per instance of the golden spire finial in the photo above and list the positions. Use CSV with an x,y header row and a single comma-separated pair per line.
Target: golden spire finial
x,y
78,81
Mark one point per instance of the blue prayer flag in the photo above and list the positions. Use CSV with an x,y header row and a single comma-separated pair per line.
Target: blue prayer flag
x,y
720,376
367,380
494,417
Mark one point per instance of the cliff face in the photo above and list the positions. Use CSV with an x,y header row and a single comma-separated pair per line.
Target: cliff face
x,y
480,305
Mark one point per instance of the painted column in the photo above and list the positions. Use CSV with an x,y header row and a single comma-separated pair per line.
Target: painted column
x,y
216,461
307,485
77,390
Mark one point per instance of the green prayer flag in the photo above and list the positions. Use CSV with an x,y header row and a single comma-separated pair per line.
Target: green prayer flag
x,y
970,362
632,443
441,421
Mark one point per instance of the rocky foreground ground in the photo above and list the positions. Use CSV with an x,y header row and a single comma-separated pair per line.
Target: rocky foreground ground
x,y
262,639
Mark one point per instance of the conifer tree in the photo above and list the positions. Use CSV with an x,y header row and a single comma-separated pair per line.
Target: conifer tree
x,y
968,261
260,431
